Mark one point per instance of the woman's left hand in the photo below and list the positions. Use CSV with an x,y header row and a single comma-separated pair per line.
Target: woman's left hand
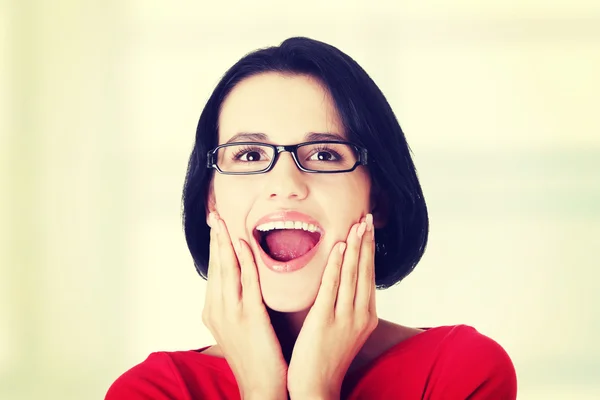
x,y
340,321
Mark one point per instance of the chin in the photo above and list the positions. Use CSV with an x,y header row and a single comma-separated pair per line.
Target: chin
x,y
284,304
290,293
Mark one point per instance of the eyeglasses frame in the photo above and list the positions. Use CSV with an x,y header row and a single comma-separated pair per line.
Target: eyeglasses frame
x,y
211,161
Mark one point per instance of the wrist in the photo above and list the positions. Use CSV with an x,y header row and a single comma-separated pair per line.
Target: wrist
x,y
315,395
264,395
261,396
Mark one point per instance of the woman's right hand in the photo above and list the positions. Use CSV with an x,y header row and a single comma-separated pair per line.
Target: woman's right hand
x,y
237,318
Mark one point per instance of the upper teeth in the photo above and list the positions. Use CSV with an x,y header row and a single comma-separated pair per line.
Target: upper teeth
x,y
269,226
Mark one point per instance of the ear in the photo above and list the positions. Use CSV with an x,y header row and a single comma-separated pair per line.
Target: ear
x,y
380,208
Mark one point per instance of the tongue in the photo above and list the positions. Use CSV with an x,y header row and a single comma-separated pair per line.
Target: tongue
x,y
288,244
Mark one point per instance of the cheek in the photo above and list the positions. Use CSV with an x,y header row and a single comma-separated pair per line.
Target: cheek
x,y
230,190
233,200
361,189
350,196
345,202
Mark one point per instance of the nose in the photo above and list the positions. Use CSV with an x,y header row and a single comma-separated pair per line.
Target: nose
x,y
285,180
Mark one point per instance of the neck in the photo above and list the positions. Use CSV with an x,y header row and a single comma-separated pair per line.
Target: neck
x,y
287,326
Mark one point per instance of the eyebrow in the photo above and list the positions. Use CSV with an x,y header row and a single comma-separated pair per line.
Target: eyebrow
x,y
261,137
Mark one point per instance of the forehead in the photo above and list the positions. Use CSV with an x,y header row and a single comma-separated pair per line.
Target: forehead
x,y
284,107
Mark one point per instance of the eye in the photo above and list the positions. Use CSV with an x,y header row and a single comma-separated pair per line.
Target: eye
x,y
322,156
324,153
249,154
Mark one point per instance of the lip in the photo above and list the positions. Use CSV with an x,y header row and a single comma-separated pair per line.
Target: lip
x,y
295,264
289,216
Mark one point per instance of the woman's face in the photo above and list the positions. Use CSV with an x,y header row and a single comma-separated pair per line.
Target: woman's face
x,y
286,108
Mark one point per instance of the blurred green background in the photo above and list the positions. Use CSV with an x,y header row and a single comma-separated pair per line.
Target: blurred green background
x,y
98,107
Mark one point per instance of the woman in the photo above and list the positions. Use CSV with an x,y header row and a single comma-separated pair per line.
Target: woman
x,y
301,198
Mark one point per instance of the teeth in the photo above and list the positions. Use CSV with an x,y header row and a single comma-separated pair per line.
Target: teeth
x,y
269,226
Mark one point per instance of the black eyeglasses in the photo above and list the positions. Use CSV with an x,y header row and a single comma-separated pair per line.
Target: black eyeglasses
x,y
246,158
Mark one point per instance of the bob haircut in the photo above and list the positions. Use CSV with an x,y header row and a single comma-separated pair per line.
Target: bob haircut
x,y
369,122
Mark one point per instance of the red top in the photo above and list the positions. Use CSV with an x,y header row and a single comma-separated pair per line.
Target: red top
x,y
447,362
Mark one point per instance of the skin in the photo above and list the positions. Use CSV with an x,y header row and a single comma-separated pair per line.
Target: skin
x,y
286,108
327,307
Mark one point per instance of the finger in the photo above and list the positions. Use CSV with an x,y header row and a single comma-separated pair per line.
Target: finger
x,y
349,273
213,278
373,298
366,269
373,294
251,293
330,281
228,265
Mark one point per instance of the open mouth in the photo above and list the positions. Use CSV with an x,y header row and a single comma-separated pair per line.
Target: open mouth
x,y
287,241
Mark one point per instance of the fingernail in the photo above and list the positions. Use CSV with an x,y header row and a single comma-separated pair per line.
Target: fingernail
x,y
342,247
369,222
361,229
217,227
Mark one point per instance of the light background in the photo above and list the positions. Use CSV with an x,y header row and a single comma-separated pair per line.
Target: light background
x,y
98,107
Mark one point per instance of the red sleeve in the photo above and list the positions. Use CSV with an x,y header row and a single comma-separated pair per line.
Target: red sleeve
x,y
474,367
154,379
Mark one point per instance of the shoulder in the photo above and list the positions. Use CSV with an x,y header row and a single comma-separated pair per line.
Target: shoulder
x,y
174,375
464,344
444,362
470,364
154,378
